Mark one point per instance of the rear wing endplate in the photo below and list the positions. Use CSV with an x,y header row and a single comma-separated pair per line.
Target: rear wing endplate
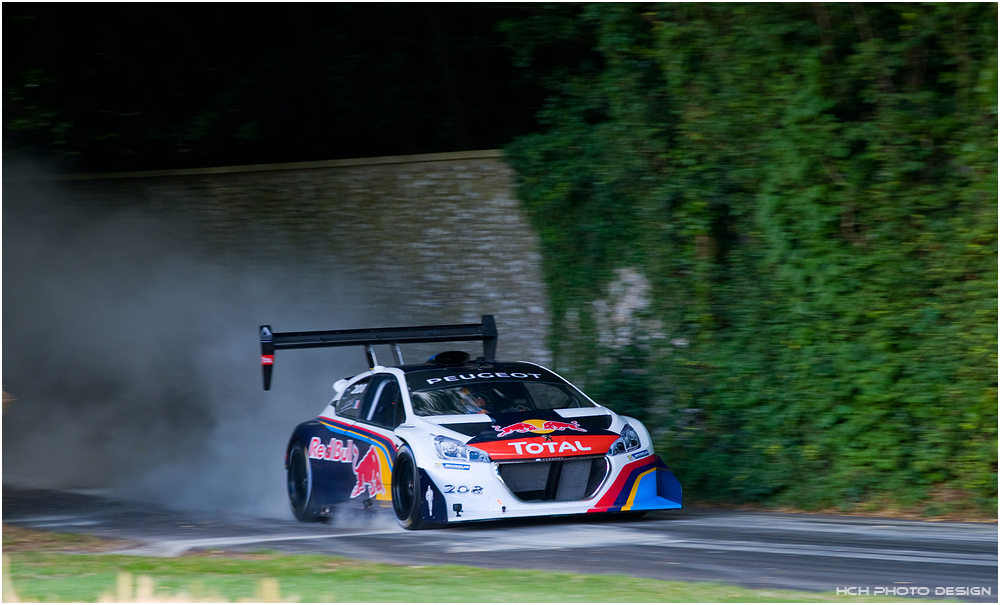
x,y
272,341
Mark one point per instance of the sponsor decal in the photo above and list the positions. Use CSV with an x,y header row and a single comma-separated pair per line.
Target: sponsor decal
x,y
540,427
475,490
452,466
336,451
267,360
368,474
483,376
554,447
380,451
429,497
638,455
546,446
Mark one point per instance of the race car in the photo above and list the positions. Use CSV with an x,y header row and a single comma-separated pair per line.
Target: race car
x,y
458,439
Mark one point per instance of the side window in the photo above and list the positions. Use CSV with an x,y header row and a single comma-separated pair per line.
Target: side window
x,y
349,405
388,409
400,416
374,390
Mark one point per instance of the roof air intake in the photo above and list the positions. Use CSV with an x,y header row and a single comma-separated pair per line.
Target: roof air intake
x,y
450,358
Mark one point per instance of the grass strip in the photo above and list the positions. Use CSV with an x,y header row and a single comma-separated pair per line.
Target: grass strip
x,y
268,577
53,567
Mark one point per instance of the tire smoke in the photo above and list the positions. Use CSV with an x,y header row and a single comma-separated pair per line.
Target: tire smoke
x,y
131,351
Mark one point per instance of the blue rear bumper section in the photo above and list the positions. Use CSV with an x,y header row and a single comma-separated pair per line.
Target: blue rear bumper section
x,y
657,490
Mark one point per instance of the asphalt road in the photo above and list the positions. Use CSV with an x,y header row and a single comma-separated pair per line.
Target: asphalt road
x,y
755,550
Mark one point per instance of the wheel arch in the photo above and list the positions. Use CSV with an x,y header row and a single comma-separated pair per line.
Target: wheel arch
x,y
301,433
301,500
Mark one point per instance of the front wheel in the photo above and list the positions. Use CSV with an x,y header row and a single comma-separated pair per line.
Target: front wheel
x,y
300,485
406,491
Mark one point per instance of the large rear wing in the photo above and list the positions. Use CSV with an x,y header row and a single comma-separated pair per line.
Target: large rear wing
x,y
273,341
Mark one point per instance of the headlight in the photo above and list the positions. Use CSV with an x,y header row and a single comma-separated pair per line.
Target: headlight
x,y
626,443
451,449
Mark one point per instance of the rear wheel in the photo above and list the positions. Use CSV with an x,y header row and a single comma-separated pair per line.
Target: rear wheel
x,y
300,485
406,491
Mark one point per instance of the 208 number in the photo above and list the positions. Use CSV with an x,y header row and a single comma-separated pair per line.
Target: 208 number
x,y
463,489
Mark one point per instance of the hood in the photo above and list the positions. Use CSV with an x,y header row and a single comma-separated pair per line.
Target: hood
x,y
541,434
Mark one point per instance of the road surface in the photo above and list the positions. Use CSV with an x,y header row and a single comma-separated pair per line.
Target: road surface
x,y
756,550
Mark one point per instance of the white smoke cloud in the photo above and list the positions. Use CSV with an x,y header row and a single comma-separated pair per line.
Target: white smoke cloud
x,y
133,355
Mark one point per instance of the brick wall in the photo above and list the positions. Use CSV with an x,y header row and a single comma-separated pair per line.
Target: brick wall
x,y
436,238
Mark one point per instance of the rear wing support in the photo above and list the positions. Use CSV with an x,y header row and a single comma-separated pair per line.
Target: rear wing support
x,y
271,341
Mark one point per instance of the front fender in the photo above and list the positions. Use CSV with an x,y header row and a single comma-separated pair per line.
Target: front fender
x,y
433,507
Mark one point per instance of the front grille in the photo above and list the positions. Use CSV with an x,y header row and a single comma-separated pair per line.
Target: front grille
x,y
554,480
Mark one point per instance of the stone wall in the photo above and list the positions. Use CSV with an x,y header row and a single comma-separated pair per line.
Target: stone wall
x,y
427,239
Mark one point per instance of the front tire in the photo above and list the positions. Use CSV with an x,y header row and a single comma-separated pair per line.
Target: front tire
x,y
300,495
406,490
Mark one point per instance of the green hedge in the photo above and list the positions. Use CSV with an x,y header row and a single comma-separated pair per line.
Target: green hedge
x,y
770,232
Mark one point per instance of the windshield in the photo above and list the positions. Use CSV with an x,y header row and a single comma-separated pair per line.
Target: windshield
x,y
496,398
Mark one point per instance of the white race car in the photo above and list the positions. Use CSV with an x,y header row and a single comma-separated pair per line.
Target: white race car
x,y
459,439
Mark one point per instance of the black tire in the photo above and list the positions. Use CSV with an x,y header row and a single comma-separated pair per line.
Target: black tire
x,y
300,485
406,491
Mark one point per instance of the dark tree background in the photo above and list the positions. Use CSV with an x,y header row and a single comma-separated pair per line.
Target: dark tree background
x,y
151,86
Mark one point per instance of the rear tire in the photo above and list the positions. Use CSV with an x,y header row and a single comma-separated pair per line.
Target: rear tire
x,y
406,491
300,495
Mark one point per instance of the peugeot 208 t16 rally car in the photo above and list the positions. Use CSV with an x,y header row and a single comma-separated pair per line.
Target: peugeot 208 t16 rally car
x,y
459,439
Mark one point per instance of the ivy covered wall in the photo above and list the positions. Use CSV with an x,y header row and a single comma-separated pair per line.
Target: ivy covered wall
x,y
770,231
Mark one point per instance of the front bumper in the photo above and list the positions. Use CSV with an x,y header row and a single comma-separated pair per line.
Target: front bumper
x,y
477,492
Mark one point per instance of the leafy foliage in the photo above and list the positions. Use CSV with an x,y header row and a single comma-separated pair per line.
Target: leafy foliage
x,y
811,192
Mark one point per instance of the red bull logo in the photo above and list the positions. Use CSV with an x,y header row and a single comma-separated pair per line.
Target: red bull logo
x,y
540,427
368,475
336,451
562,447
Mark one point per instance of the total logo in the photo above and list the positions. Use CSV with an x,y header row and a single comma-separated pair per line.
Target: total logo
x,y
553,447
540,427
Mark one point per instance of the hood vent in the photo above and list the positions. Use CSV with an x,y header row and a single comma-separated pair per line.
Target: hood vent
x,y
473,429
470,429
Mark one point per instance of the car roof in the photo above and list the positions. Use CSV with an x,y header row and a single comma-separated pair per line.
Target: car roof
x,y
431,375
472,366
